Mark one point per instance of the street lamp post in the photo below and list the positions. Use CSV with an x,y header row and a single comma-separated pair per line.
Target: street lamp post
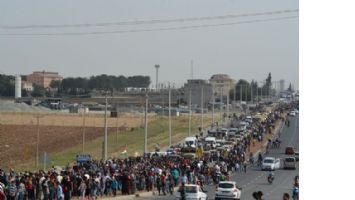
x,y
221,107
190,111
170,116
227,102
213,102
37,146
83,150
105,136
145,124
202,107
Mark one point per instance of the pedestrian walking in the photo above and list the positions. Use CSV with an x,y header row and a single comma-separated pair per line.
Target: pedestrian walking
x,y
60,194
245,166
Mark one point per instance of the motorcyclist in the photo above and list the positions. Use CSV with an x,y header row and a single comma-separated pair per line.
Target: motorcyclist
x,y
270,177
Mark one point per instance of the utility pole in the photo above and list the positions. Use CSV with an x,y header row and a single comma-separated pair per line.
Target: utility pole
x,y
83,150
227,108
170,116
190,111
201,107
251,93
117,125
105,137
257,93
146,124
241,94
213,102
234,96
37,146
221,105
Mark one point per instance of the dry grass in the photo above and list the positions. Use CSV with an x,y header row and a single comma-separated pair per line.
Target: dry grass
x,y
71,120
18,137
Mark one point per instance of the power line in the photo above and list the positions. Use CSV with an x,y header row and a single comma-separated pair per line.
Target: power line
x,y
148,30
142,22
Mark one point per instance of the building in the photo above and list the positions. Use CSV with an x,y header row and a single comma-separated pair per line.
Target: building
x,y
196,85
221,84
28,86
282,85
43,78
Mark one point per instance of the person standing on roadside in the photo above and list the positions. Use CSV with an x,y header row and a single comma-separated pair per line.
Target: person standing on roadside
x,y
12,190
245,163
60,195
21,191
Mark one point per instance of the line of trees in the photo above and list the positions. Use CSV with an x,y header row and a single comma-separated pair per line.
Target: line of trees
x,y
245,91
75,86
79,85
7,85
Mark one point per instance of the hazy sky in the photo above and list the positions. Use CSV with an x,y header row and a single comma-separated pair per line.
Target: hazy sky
x,y
246,51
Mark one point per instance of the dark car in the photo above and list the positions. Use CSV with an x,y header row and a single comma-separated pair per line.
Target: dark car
x,y
289,151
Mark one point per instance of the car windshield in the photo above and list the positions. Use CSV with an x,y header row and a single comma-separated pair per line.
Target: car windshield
x,y
189,189
189,142
268,161
226,185
289,159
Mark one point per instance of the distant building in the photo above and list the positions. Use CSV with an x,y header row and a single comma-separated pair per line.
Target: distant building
x,y
43,78
221,84
28,86
282,85
196,85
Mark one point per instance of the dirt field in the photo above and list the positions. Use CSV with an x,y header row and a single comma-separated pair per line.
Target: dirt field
x,y
71,120
18,143
61,136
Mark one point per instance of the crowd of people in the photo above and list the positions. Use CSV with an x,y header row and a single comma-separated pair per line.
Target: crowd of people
x,y
127,176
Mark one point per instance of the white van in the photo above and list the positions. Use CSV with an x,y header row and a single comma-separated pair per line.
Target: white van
x,y
191,141
211,141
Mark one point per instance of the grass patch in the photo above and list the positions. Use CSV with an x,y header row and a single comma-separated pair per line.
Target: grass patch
x,y
158,132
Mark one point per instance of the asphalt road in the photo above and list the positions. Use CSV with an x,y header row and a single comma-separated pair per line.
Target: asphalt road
x,y
255,179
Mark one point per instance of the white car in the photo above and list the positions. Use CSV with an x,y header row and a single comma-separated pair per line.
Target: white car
x,y
292,113
290,163
270,163
232,132
228,190
192,192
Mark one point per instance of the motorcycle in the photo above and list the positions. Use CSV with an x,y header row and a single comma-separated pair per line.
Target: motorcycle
x,y
270,179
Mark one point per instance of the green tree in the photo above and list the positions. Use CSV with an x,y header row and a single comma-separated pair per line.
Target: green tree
x,y
289,89
55,84
38,91
266,88
242,89
7,85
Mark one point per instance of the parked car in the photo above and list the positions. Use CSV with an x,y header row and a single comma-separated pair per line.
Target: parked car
x,y
192,192
270,163
228,190
289,150
290,163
